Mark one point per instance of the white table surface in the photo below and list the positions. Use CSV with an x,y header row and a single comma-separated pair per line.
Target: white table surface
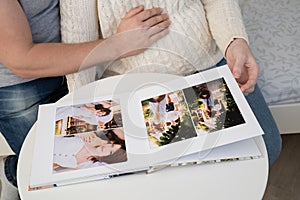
x,y
228,180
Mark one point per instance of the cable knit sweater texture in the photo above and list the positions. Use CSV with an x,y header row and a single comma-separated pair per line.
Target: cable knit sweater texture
x,y
199,34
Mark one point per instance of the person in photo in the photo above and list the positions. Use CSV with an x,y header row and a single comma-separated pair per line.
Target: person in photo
x,y
97,115
86,150
158,108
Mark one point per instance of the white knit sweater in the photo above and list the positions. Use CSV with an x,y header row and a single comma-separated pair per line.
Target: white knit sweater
x,y
200,33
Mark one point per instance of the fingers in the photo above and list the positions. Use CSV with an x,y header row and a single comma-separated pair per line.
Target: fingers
x,y
158,27
147,14
237,68
138,18
158,35
242,65
133,12
158,20
161,26
245,73
140,28
142,14
249,86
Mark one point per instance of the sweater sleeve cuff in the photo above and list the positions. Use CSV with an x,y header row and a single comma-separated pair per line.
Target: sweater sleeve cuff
x,y
231,40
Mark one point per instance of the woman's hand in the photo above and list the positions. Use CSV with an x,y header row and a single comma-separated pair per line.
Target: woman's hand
x,y
242,64
140,28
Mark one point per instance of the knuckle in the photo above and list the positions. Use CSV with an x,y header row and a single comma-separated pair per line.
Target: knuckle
x,y
151,12
156,19
146,14
138,18
140,26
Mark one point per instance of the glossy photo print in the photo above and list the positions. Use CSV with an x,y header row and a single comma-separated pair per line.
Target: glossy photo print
x,y
88,117
88,135
167,119
212,106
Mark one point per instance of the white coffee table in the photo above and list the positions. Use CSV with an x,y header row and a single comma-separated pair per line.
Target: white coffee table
x,y
228,180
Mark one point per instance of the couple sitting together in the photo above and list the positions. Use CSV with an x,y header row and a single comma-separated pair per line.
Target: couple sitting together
x,y
164,36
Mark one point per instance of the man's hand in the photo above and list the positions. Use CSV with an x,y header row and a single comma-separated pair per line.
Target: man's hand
x,y
242,64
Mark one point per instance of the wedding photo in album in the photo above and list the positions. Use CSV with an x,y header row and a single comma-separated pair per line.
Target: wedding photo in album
x,y
88,135
202,114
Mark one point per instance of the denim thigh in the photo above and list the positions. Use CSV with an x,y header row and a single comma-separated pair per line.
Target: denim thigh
x,y
263,114
264,117
19,106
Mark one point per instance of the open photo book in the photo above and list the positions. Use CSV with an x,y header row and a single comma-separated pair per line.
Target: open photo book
x,y
201,118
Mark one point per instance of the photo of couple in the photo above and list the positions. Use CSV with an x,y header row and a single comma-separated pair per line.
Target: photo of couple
x,y
88,135
212,107
187,113
167,119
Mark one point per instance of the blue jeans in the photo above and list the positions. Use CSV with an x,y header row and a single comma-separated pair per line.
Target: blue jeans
x,y
18,112
264,117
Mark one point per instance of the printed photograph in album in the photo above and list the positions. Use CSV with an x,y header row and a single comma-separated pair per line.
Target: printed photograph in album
x,y
187,113
88,135
212,106
167,119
